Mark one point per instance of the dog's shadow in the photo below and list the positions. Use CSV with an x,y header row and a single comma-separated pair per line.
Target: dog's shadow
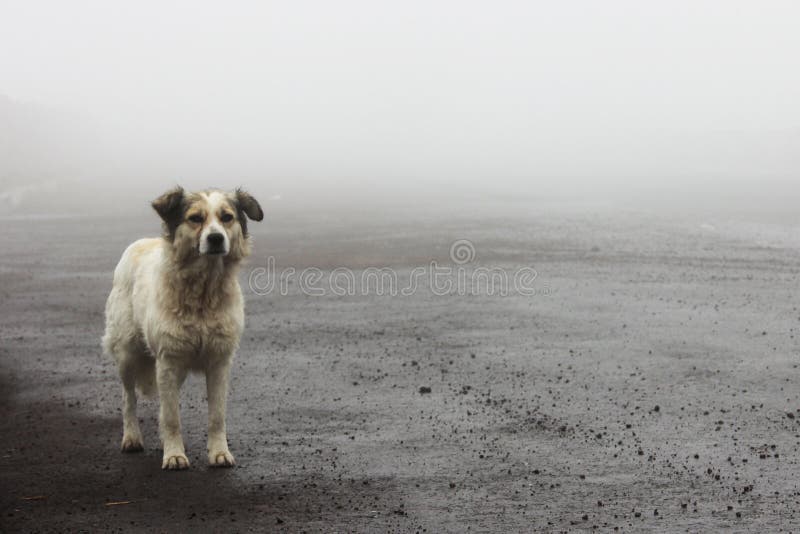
x,y
62,471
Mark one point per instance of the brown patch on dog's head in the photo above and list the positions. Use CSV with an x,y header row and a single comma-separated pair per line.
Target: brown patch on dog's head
x,y
170,207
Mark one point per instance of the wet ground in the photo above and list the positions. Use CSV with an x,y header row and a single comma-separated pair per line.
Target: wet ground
x,y
650,382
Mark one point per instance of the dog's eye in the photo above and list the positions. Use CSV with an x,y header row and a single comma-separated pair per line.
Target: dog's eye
x,y
226,217
196,218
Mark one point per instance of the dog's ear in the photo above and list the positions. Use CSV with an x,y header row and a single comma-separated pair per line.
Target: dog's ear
x,y
248,205
169,207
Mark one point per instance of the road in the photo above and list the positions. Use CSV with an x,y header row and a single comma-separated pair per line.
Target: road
x,y
650,380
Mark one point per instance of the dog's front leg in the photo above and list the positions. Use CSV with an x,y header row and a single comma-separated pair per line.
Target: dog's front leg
x,y
217,387
169,377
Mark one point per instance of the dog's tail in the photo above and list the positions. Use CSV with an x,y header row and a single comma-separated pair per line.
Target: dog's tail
x,y
132,360
146,377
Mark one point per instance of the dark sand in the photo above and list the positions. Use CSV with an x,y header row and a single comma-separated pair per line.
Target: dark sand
x,y
651,383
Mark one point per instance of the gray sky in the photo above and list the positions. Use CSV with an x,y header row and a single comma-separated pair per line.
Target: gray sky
x,y
482,92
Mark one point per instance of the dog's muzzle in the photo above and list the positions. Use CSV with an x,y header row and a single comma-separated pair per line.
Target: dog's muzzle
x,y
216,243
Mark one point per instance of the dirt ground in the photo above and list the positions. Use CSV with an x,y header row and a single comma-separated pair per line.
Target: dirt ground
x,y
650,383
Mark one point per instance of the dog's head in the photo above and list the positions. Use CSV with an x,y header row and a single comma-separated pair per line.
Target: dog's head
x,y
208,223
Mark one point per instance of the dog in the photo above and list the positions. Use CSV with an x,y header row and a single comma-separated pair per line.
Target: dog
x,y
176,306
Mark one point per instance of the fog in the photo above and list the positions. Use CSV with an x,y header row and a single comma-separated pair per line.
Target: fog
x,y
337,100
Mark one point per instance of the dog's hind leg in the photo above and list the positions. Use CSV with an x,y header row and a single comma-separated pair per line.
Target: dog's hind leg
x,y
131,433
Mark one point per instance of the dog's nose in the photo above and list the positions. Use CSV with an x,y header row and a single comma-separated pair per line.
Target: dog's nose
x,y
215,240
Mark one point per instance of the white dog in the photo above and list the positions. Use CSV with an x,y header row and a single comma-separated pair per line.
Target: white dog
x,y
176,306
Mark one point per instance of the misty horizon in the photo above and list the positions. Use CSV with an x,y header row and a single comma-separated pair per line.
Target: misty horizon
x,y
308,99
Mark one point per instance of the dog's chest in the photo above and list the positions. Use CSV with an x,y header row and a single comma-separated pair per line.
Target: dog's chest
x,y
194,318
210,336
197,337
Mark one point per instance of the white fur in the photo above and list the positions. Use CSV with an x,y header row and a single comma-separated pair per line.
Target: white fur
x,y
155,345
214,226
176,308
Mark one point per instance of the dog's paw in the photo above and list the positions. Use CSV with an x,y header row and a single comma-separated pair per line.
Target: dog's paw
x,y
221,459
132,443
175,462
